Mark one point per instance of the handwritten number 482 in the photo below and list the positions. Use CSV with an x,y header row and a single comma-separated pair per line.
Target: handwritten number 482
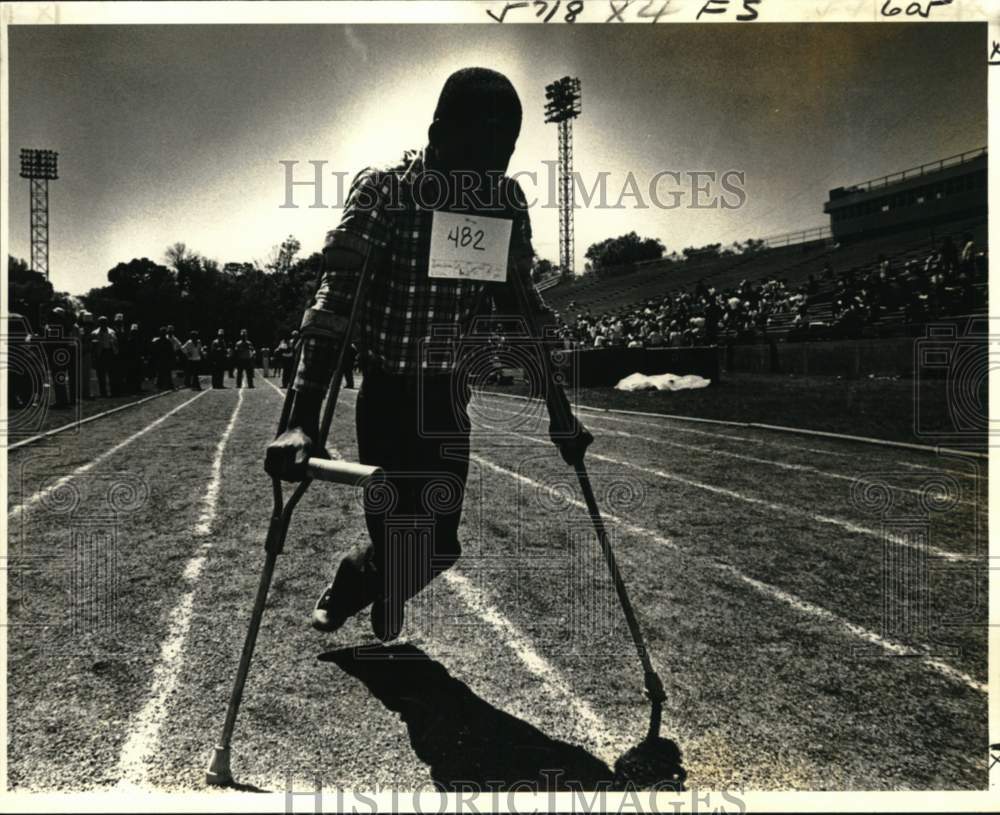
x,y
465,236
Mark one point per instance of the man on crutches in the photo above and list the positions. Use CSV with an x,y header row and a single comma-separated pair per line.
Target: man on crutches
x,y
411,412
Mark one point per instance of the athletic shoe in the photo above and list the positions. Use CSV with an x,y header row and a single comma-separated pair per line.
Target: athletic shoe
x,y
353,588
325,617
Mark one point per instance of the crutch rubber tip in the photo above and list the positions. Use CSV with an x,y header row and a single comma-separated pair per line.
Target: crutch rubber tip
x,y
218,773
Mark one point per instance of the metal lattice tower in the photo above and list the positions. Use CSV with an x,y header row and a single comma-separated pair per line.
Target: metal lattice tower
x,y
564,106
566,253
39,167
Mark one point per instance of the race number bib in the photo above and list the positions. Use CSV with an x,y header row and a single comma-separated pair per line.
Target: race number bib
x,y
469,247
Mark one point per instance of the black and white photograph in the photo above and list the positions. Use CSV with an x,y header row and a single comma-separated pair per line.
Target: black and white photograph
x,y
606,416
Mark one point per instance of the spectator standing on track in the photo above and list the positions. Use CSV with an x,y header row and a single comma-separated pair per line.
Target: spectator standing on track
x,y
163,359
85,325
288,360
104,341
217,359
175,344
120,364
20,393
280,350
244,352
230,360
58,346
193,353
133,360
410,410
265,360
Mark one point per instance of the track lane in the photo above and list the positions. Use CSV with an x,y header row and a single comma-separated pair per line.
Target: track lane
x,y
98,571
711,633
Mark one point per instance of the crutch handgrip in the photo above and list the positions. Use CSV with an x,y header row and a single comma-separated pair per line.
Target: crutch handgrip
x,y
342,472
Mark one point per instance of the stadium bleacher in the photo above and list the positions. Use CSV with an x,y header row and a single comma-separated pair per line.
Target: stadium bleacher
x,y
631,290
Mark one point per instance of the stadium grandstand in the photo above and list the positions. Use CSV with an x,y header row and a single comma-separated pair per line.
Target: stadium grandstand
x,y
899,251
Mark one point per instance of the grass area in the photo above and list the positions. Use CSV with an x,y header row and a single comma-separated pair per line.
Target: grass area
x,y
750,562
894,409
30,421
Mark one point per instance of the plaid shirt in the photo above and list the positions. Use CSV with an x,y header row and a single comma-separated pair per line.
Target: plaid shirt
x,y
403,307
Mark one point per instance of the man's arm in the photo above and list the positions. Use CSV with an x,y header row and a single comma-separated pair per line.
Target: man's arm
x,y
566,432
362,236
324,329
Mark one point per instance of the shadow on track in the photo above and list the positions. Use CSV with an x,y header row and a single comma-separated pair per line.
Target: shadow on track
x,y
465,741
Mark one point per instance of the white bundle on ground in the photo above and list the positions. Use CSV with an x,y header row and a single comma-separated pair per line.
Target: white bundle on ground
x,y
662,382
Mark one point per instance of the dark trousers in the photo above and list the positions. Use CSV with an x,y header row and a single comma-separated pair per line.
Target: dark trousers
x,y
103,362
287,374
244,367
191,378
412,517
218,375
165,376
60,364
118,366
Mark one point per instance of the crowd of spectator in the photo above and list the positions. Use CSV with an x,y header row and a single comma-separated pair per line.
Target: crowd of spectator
x,y
88,357
80,356
943,283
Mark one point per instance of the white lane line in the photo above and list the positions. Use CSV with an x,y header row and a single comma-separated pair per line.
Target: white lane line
x,y
977,475
279,391
781,509
143,730
784,465
27,504
856,630
84,421
598,413
552,681
211,497
772,592
553,684
802,431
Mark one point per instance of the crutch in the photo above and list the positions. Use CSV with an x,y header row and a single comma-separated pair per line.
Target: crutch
x,y
559,410
320,469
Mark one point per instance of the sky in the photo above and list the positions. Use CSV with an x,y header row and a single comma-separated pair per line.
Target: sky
x,y
176,133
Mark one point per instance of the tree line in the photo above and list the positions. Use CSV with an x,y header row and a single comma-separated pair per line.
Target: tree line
x,y
187,290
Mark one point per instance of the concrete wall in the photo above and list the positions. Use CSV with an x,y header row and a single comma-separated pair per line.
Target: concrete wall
x,y
846,358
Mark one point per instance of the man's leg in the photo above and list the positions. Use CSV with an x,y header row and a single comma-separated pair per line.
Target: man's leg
x,y
358,581
417,539
440,451
86,370
239,375
250,374
102,375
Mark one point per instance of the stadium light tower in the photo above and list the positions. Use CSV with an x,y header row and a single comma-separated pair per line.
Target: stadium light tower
x,y
562,107
39,167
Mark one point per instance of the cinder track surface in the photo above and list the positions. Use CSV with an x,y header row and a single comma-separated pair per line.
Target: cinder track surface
x,y
764,568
